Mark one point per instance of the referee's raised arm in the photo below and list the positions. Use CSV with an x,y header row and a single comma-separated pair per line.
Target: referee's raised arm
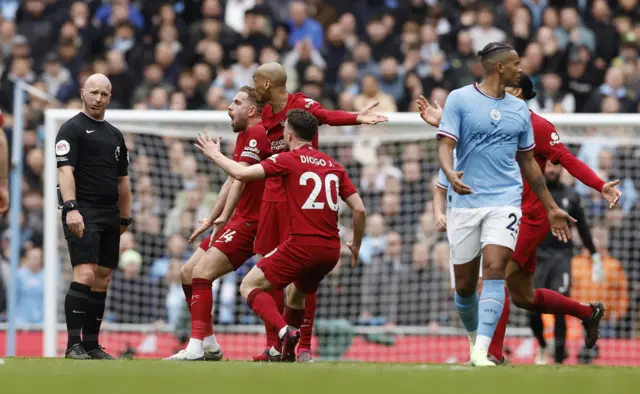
x,y
94,185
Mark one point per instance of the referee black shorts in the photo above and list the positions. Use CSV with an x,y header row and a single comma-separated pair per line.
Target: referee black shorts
x,y
553,271
100,243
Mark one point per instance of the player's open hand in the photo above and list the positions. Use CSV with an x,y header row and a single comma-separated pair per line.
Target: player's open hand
x,y
367,116
355,253
611,193
4,200
208,146
205,224
75,223
559,219
429,113
459,186
218,224
441,223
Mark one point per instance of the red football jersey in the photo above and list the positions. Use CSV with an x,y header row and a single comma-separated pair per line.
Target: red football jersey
x,y
548,147
313,181
252,146
274,123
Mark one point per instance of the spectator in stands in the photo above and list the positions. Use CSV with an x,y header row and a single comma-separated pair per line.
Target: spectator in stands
x,y
374,241
485,31
303,27
176,252
246,65
552,98
371,93
30,287
381,282
615,289
133,297
613,86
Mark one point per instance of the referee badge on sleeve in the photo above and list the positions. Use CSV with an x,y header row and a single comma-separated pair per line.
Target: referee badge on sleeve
x,y
62,148
117,153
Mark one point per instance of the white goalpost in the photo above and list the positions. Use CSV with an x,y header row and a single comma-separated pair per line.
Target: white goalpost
x,y
396,307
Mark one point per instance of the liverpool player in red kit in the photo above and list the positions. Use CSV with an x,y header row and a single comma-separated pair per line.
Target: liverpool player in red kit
x,y
270,80
233,240
313,183
535,227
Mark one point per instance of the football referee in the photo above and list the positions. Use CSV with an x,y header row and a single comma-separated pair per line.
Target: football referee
x,y
553,269
95,190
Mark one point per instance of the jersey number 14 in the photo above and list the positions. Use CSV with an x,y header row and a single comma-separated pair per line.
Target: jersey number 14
x,y
311,202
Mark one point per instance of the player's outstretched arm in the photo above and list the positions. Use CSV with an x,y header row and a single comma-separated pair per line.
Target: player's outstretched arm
x,y
238,171
586,175
439,208
4,173
532,174
124,199
359,222
344,118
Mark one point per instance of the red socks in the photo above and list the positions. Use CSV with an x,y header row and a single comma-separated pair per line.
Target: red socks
x,y
272,334
552,302
201,305
497,342
265,307
294,317
306,329
187,289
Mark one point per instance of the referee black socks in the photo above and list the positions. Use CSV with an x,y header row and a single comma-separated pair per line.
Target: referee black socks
x,y
75,305
93,320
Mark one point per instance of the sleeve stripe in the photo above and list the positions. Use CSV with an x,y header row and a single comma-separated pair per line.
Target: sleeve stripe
x,y
442,133
530,147
441,186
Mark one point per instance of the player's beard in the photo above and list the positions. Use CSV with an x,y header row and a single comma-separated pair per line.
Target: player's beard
x,y
239,125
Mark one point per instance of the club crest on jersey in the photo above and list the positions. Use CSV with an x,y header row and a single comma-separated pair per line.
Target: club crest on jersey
x,y
495,114
62,148
555,139
117,153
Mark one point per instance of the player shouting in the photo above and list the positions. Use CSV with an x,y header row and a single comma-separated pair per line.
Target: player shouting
x,y
535,226
234,238
273,228
313,182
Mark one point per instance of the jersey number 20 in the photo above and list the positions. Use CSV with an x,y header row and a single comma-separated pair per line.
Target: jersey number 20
x,y
311,202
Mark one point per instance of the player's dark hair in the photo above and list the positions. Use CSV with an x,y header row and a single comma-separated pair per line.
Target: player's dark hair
x,y
303,124
252,97
490,53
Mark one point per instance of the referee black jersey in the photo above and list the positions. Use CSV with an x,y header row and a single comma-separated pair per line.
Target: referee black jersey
x,y
97,151
569,200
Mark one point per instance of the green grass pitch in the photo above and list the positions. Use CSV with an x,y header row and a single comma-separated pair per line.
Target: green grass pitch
x,y
58,376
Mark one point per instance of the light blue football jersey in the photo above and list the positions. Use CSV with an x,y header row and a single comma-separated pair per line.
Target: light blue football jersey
x,y
488,131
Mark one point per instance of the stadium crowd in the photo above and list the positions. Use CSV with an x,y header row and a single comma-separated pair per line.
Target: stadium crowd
x,y
196,54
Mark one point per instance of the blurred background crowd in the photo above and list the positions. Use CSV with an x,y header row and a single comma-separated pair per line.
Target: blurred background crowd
x,y
195,54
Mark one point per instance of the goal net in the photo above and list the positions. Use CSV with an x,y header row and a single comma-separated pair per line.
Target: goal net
x,y
397,305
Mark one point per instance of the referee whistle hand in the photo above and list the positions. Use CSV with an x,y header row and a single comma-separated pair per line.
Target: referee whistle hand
x,y
611,193
75,223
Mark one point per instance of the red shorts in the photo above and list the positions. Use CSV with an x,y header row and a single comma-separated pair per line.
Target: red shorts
x,y
297,260
530,235
273,228
235,240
